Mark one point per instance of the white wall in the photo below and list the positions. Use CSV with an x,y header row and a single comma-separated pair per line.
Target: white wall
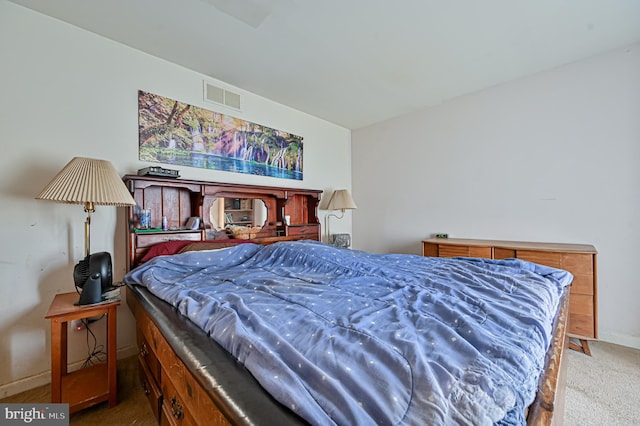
x,y
66,92
554,158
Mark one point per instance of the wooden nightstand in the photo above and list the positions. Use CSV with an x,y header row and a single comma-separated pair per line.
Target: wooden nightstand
x,y
86,386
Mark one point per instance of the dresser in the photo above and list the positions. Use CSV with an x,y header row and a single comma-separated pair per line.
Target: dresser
x,y
579,259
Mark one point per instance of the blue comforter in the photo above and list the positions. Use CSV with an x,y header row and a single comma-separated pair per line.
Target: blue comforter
x,y
353,338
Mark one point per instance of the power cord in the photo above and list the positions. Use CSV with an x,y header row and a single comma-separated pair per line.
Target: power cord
x,y
96,353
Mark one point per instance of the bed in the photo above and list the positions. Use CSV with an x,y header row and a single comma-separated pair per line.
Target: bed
x,y
287,331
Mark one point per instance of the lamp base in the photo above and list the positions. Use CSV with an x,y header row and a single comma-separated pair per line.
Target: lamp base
x,y
341,240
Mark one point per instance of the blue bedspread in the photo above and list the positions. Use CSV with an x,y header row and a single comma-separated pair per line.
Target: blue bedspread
x,y
353,338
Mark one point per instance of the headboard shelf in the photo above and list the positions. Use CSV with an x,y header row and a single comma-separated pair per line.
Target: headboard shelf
x,y
180,199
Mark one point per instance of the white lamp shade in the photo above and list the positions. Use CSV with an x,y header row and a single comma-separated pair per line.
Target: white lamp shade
x,y
88,180
341,200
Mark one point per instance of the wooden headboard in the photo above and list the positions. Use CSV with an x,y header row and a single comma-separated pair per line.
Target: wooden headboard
x,y
180,199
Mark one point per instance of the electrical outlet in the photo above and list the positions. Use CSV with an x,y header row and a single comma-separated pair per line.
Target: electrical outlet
x,y
82,323
78,325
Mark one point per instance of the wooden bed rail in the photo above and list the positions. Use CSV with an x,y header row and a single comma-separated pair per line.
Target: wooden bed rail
x,y
548,406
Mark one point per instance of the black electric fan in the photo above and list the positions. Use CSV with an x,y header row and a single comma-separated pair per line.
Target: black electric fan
x,y
93,275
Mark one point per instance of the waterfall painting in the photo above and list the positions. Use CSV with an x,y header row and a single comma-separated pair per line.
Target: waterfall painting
x,y
177,133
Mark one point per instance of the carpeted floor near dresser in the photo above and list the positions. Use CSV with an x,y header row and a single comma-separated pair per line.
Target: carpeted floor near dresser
x,y
601,390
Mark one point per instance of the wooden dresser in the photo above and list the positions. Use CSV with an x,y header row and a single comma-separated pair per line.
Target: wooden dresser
x,y
579,259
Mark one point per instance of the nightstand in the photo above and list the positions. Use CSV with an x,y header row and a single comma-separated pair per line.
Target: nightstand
x,y
86,386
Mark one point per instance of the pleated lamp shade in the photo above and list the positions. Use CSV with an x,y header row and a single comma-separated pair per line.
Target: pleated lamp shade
x,y
341,200
88,181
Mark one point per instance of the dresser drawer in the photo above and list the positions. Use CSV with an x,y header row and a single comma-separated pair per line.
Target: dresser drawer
x,y
453,251
148,356
464,251
152,339
150,387
581,325
578,264
582,284
503,253
147,240
191,395
581,304
552,259
305,230
174,407
582,266
582,315
429,249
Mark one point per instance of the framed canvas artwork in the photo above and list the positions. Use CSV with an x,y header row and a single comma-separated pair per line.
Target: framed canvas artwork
x,y
177,133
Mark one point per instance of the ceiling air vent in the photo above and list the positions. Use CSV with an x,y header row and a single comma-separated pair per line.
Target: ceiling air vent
x,y
221,96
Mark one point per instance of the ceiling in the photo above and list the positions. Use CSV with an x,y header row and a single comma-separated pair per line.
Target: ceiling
x,y
358,62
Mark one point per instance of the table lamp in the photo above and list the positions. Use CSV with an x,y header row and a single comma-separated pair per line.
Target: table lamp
x,y
90,182
340,200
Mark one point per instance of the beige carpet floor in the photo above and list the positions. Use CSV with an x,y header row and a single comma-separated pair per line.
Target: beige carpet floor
x,y
603,389
132,409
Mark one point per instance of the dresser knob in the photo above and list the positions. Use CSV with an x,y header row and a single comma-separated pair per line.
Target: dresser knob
x,y
145,388
176,408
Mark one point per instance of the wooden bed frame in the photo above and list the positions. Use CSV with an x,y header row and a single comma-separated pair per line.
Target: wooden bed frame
x,y
190,379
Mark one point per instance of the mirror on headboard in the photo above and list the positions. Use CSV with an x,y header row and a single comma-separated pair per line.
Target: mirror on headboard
x,y
237,211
